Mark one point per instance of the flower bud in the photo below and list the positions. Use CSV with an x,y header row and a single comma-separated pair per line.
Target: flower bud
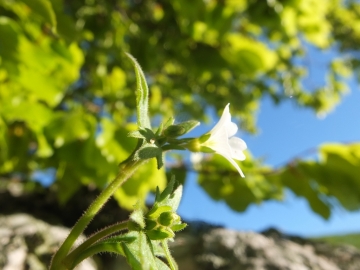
x,y
193,145
160,233
150,224
156,211
168,218
177,130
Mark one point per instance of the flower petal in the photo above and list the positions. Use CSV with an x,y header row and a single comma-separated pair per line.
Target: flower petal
x,y
219,142
224,120
237,146
233,162
231,129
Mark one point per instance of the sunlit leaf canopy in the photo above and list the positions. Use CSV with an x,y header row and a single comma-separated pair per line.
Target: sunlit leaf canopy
x,y
67,90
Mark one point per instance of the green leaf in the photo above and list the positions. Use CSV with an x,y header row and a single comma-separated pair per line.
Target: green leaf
x,y
180,174
171,196
9,45
142,95
248,55
166,192
151,151
298,180
143,133
147,178
165,125
138,216
131,258
44,9
180,129
161,265
113,141
68,182
67,127
141,251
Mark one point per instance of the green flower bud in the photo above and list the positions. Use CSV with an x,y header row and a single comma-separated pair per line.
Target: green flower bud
x,y
155,211
168,218
193,145
177,130
160,233
150,224
174,131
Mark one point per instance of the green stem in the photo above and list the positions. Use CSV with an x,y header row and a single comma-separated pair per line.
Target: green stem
x,y
126,171
98,248
170,259
71,257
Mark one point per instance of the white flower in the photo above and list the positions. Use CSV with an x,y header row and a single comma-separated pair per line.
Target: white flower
x,y
221,140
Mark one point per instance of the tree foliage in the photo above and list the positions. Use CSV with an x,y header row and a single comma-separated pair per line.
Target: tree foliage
x,y
67,88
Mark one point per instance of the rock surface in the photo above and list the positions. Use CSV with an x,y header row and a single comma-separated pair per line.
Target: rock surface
x,y
27,243
220,248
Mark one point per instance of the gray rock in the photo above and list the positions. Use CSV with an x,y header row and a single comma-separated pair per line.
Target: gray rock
x,y
29,243
223,249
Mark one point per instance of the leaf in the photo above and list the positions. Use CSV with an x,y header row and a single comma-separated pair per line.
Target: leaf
x,y
47,69
147,178
67,127
248,55
166,192
161,265
113,141
334,176
148,151
180,129
65,23
142,95
141,252
44,9
180,174
170,197
302,185
131,259
68,182
138,216
340,173
9,45
221,181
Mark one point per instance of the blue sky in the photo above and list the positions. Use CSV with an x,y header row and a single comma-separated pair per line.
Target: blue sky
x,y
286,131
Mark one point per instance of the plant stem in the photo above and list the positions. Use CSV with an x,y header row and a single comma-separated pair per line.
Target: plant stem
x,y
72,256
170,259
97,248
127,169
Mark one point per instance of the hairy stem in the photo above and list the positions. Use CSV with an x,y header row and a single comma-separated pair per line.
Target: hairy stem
x,y
126,170
71,257
170,259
